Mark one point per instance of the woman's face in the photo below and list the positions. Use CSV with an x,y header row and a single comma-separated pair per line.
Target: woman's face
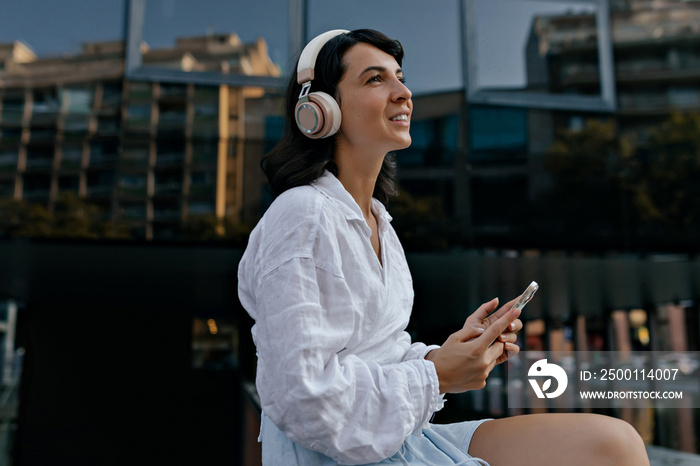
x,y
375,105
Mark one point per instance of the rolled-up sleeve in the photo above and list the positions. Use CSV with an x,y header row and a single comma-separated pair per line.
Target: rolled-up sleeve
x,y
414,350
351,410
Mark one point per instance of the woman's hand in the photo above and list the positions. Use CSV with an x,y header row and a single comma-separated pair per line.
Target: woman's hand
x,y
467,357
484,317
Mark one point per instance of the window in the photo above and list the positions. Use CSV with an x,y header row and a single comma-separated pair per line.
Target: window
x,y
542,54
69,183
188,41
37,186
201,208
76,100
168,182
71,156
423,28
497,134
8,160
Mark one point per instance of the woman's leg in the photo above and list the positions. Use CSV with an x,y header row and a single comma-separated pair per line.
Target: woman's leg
x,y
556,439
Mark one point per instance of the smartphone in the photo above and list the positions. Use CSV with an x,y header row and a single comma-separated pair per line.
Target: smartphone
x,y
526,296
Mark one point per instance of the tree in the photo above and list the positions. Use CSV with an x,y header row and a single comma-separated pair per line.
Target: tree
x,y
586,199
664,179
72,217
421,222
208,227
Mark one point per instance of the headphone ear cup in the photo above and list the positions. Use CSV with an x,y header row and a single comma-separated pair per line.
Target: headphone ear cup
x,y
319,117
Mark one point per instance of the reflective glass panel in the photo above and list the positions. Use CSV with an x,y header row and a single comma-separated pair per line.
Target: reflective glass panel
x,y
428,31
231,37
58,29
535,46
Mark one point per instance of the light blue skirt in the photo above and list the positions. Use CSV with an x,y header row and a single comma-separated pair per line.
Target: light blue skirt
x,y
440,445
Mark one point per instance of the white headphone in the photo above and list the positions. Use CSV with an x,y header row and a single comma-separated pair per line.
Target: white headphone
x,y
317,114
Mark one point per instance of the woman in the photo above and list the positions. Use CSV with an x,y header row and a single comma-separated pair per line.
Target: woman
x,y
325,278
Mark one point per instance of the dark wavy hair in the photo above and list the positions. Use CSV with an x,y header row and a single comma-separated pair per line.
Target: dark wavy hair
x,y
298,160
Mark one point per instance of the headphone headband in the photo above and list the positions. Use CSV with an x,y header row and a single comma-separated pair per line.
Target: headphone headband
x,y
317,114
307,60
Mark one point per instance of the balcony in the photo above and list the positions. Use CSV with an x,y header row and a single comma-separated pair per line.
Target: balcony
x,y
659,103
204,160
36,194
202,184
138,118
172,120
109,126
111,96
103,160
42,135
205,129
37,187
10,116
134,157
171,187
650,71
166,213
133,186
139,91
10,135
8,162
7,187
75,128
100,190
170,159
43,114
100,183
200,208
206,94
39,162
69,183
134,212
71,158
172,92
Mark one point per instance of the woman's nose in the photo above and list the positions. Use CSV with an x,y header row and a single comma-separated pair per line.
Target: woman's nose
x,y
401,92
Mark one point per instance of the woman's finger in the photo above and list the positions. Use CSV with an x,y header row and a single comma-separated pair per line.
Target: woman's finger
x,y
501,312
515,326
483,311
468,332
507,337
498,327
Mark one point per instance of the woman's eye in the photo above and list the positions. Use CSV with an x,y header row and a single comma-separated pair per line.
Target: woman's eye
x,y
402,79
374,79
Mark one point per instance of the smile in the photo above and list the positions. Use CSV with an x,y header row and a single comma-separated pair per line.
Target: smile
x,y
403,117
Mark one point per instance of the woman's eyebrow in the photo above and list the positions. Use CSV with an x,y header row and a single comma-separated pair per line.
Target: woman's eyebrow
x,y
381,69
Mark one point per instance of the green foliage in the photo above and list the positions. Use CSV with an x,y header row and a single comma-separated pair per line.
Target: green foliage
x,y
208,227
71,217
665,179
586,197
420,222
613,182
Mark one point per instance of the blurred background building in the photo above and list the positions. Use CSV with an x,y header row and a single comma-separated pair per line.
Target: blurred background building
x,y
558,144
149,154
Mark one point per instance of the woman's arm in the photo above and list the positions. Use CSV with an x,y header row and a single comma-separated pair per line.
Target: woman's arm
x,y
351,410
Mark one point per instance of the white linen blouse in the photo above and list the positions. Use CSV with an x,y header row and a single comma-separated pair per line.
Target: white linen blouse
x,y
336,372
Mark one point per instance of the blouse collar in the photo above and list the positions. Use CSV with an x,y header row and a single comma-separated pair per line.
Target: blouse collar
x,y
332,188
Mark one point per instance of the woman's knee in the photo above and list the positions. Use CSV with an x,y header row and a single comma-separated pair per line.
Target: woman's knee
x,y
618,442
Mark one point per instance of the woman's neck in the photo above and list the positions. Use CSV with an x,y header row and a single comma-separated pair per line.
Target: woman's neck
x,y
359,175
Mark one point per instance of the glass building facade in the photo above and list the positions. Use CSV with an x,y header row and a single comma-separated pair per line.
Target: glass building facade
x,y
557,143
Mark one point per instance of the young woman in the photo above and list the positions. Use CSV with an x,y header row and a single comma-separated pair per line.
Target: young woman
x,y
325,278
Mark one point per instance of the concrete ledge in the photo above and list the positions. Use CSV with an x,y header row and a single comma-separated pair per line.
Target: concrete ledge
x,y
659,456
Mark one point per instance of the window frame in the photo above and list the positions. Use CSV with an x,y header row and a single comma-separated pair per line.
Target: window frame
x,y
135,70
605,102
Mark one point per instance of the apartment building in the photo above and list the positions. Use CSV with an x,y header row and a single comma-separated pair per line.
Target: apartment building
x,y
151,154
